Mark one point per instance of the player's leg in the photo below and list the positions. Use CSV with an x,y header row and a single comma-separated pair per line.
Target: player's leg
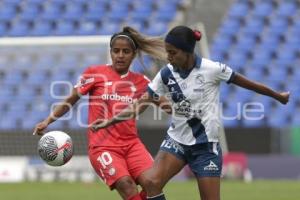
x,y
138,160
205,161
168,162
127,188
209,188
110,165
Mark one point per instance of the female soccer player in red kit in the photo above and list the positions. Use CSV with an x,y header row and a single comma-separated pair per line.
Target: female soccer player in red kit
x,y
116,153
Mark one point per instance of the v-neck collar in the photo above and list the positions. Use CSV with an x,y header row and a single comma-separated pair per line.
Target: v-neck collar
x,y
117,74
185,73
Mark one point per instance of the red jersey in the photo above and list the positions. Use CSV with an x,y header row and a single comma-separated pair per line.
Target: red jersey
x,y
109,93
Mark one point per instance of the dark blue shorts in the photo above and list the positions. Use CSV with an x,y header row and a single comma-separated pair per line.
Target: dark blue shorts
x,y
205,160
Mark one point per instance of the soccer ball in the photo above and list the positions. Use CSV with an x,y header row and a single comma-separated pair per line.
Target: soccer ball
x,y
55,148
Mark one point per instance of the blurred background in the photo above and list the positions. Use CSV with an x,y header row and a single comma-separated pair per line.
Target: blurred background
x,y
46,44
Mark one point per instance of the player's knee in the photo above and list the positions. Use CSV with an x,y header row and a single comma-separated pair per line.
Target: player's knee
x,y
126,187
153,182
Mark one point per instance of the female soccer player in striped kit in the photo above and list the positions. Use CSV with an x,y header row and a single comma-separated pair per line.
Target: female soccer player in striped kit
x,y
116,153
192,84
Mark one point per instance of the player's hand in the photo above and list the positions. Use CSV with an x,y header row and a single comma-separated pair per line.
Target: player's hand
x,y
99,124
284,97
40,127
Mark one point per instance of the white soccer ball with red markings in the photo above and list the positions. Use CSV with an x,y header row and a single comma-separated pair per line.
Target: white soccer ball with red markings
x,y
55,148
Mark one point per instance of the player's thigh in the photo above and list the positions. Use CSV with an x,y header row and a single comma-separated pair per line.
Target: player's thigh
x,y
209,188
109,164
167,163
138,159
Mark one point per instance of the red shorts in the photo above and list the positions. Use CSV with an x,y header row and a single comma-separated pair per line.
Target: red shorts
x,y
112,163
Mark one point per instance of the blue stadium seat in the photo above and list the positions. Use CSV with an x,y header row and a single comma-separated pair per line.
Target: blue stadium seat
x,y
246,43
87,28
238,10
3,28
29,12
221,44
139,25
51,12
8,124
64,28
261,58
254,27
229,27
35,77
141,13
19,29
13,2
287,8
263,9
41,28
156,28
73,11
95,13
243,95
34,2
118,14
109,28
237,60
13,77
254,73
6,93
164,16
278,26
7,12
139,67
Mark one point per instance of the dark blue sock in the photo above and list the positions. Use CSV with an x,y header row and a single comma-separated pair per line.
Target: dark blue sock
x,y
157,197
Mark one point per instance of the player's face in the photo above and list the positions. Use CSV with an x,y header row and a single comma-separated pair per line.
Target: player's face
x,y
176,57
122,55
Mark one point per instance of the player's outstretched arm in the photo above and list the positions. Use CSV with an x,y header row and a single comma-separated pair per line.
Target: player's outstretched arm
x,y
242,81
58,111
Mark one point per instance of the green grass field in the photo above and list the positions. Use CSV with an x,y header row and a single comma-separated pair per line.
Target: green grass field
x,y
231,190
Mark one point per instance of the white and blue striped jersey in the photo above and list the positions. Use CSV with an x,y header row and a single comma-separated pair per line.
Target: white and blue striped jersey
x,y
195,98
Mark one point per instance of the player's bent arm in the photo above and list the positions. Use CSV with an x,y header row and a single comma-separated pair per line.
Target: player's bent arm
x,y
133,110
63,107
242,81
58,111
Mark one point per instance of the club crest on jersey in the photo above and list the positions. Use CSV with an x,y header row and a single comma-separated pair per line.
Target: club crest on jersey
x,y
83,81
133,88
183,86
199,79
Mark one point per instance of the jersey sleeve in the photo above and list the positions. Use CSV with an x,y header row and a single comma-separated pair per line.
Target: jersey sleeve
x,y
156,87
222,72
86,81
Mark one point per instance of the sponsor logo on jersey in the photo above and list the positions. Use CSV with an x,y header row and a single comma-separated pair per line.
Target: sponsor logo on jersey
x,y
223,67
133,88
116,97
184,108
211,167
171,82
